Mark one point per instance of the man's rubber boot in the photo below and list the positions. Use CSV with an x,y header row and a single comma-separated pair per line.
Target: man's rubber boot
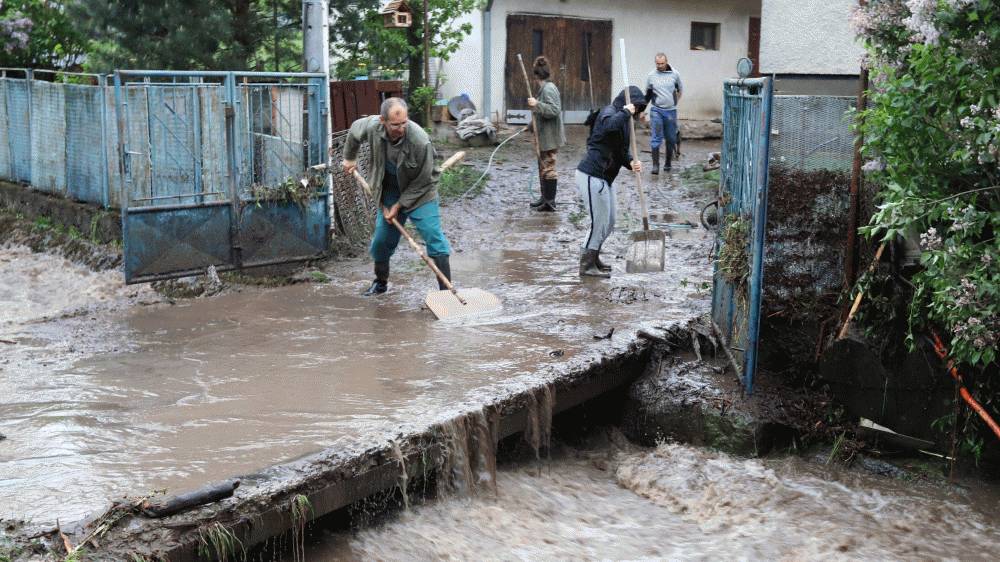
x,y
588,265
381,282
601,265
669,157
656,162
549,194
442,263
541,197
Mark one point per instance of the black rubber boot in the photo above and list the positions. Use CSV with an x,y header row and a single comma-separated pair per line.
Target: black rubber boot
x,y
541,197
669,157
588,265
656,162
442,263
549,194
601,265
381,282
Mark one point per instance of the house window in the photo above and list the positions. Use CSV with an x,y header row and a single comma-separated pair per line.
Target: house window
x,y
537,47
704,36
586,37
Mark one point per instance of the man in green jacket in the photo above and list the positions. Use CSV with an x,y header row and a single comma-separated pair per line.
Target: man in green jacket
x,y
404,183
548,118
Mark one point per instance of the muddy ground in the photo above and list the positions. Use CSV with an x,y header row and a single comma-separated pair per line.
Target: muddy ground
x,y
112,390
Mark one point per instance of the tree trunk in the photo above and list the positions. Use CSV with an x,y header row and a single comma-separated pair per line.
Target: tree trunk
x,y
243,31
414,39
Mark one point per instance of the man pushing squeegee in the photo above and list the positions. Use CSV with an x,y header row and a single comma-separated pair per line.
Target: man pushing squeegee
x,y
403,182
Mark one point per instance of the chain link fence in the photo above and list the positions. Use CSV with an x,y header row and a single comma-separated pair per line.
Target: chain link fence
x,y
355,210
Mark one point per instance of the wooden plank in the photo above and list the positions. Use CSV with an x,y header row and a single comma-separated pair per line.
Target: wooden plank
x,y
337,105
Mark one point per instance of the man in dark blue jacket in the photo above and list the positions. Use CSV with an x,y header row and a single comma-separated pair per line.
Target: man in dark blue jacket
x,y
607,153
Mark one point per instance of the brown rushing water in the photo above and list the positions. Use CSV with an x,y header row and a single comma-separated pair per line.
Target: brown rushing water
x,y
680,502
116,400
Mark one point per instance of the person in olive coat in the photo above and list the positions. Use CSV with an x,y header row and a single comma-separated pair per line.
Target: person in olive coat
x,y
547,109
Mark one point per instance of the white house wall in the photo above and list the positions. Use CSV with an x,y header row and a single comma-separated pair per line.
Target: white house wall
x,y
808,37
648,26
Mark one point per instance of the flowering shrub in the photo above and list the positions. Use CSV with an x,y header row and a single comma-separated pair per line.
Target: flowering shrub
x,y
932,137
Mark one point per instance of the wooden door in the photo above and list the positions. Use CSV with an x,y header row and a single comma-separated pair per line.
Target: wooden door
x,y
570,44
753,48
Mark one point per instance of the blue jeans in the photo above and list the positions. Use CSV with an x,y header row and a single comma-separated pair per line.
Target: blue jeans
x,y
427,219
664,123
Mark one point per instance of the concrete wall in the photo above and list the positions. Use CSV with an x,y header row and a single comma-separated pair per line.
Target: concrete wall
x,y
808,37
648,26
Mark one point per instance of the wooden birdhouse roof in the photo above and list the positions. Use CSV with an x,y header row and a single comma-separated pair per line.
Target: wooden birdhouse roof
x,y
395,6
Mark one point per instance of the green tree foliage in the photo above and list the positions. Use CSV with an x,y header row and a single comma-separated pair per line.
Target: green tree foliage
x,y
193,34
361,43
932,134
39,34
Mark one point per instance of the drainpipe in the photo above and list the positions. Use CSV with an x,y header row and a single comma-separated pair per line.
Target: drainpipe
x,y
487,59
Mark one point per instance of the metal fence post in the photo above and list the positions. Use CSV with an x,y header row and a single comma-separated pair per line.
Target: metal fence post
x,y
29,75
763,141
234,168
102,83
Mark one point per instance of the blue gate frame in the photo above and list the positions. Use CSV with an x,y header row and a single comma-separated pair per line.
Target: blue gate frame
x,y
193,145
736,296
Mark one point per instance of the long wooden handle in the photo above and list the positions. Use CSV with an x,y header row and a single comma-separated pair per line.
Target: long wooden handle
x,y
534,125
413,243
430,263
454,159
635,151
857,300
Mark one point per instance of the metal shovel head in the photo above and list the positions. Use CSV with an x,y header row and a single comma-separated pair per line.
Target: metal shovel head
x,y
647,253
444,305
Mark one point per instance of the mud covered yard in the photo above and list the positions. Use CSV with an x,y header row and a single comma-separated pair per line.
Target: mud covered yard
x,y
112,391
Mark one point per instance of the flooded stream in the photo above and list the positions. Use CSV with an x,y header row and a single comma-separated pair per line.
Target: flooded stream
x,y
681,502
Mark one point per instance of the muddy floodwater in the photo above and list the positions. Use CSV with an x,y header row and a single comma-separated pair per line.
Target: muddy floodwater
x,y
102,400
680,502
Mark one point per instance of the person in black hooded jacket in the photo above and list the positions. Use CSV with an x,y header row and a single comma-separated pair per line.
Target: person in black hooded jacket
x,y
607,153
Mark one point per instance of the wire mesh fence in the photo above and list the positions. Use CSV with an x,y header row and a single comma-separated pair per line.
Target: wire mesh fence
x,y
54,133
355,209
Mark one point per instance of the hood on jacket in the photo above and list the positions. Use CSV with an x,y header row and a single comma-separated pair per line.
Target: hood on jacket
x,y
638,99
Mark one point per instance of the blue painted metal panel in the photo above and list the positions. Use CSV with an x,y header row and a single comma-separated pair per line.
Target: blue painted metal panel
x,y
86,167
48,137
167,241
19,133
283,231
193,145
5,160
743,200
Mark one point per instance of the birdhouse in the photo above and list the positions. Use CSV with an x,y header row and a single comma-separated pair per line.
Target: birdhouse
x,y
397,13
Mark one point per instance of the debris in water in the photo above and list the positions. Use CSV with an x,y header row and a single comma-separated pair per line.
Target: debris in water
x,y
556,353
606,336
397,455
627,295
183,502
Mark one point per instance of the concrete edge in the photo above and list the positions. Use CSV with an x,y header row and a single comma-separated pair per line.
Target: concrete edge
x,y
262,507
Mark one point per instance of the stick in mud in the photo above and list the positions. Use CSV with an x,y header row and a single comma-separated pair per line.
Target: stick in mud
x,y
183,502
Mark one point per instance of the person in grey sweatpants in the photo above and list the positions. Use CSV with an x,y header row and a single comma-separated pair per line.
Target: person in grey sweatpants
x,y
607,153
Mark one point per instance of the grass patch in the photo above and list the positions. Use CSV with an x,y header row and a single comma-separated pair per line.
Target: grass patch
x,y
455,181
319,277
695,177
298,190
734,257
576,217
216,542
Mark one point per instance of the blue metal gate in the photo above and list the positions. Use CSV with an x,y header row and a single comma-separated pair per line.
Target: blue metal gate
x,y
739,249
195,146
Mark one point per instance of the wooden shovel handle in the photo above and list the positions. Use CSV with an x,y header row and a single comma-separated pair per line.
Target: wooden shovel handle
x,y
534,125
413,243
635,151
